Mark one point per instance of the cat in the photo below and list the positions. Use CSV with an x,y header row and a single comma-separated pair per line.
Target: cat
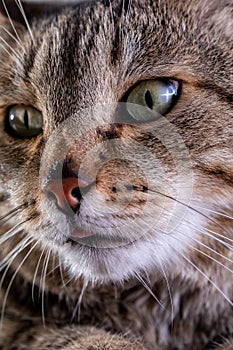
x,y
116,193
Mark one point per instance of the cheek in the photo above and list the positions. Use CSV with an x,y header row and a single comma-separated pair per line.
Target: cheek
x,y
19,178
218,161
211,214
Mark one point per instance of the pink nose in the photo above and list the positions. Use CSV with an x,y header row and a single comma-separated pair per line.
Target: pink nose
x,y
67,192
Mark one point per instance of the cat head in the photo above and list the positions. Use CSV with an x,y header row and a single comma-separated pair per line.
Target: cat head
x,y
116,135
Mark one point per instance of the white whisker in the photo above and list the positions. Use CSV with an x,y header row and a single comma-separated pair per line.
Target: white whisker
x,y
8,218
212,282
77,308
62,276
215,212
169,291
19,4
13,37
42,285
61,272
143,283
211,258
13,211
9,47
212,250
54,267
35,274
3,47
12,232
203,230
14,252
192,209
111,12
128,11
208,232
11,22
9,262
12,280
205,276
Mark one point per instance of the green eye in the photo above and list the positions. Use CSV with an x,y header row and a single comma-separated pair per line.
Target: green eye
x,y
156,96
24,121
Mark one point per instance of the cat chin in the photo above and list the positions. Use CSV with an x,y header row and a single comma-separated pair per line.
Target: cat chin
x,y
109,265
154,254
108,260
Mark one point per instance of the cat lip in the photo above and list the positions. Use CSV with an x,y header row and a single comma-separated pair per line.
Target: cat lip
x,y
79,233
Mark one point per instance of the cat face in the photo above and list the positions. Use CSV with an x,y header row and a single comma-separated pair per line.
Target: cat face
x,y
116,136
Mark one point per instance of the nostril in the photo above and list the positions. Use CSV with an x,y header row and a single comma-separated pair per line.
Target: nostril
x,y
76,193
67,192
72,192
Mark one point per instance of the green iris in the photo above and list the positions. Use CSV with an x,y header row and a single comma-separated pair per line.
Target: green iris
x,y
156,96
24,121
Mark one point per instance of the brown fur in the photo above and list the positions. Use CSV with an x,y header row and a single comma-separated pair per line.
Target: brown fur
x,y
90,55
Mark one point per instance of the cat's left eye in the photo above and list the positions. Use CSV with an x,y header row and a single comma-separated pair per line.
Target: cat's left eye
x,y
149,100
24,121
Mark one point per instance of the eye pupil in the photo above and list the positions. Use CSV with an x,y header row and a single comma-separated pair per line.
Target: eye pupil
x,y
26,119
148,99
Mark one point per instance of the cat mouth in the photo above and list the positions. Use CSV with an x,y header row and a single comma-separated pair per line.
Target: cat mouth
x,y
80,237
79,233
98,243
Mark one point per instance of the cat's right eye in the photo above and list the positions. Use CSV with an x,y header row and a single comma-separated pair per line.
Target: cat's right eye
x,y
24,121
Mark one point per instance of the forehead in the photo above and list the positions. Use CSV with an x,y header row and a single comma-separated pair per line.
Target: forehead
x,y
98,46
94,52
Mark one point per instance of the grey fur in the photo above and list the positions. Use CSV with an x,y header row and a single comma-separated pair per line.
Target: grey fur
x,y
90,55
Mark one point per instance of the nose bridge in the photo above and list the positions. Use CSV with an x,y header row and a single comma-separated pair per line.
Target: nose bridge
x,y
69,169
77,84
